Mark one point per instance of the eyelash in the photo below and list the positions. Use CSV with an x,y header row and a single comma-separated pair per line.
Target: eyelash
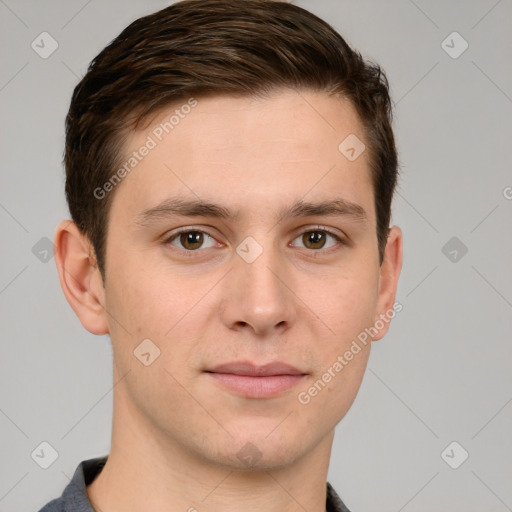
x,y
315,229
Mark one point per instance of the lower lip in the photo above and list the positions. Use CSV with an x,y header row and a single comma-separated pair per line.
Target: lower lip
x,y
257,387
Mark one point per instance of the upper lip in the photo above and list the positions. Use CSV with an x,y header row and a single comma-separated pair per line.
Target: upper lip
x,y
253,370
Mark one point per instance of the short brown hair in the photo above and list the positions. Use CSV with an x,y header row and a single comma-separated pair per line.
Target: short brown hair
x,y
215,47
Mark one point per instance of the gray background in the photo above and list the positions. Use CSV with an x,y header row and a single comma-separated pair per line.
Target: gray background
x,y
442,373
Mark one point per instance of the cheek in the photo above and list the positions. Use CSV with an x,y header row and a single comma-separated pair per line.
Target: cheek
x,y
149,302
348,304
142,296
330,392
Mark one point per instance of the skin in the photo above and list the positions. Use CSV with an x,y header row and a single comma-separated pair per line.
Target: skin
x,y
176,432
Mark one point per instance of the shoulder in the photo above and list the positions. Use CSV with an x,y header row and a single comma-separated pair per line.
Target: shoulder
x,y
55,505
334,502
74,498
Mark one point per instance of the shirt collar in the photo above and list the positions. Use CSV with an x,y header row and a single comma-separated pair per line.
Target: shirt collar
x,y
75,497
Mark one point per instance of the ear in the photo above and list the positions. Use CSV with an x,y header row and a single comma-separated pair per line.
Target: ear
x,y
79,277
388,281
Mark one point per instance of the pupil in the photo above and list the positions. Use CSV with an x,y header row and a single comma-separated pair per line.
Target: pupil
x,y
192,238
315,237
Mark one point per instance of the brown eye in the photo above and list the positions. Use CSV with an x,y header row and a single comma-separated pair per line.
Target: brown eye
x,y
314,239
190,240
318,238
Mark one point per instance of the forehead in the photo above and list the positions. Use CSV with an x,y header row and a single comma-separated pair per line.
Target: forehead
x,y
248,150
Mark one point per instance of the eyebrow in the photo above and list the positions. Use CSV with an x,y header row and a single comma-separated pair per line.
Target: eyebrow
x,y
175,206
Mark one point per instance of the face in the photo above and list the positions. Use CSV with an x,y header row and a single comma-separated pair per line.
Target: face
x,y
270,274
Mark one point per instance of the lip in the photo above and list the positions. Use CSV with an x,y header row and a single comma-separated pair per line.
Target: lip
x,y
253,381
252,370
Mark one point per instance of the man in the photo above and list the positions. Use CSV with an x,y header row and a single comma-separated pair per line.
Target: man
x,y
230,172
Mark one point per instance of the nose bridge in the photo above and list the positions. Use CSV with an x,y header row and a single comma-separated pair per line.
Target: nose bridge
x,y
262,281
259,296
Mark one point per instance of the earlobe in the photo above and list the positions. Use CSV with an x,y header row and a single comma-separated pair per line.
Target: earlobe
x,y
389,274
79,277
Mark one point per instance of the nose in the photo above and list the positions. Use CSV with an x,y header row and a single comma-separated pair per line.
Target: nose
x,y
259,296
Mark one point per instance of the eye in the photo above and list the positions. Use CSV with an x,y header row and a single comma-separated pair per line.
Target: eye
x,y
190,240
317,238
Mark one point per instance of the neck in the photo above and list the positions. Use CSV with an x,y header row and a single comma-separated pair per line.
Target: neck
x,y
148,470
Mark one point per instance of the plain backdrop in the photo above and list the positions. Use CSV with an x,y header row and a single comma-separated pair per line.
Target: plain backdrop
x,y
442,373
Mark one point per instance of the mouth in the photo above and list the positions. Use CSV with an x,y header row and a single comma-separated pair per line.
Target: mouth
x,y
252,381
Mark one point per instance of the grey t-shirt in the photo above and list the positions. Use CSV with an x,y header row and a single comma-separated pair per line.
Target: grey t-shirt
x,y
74,497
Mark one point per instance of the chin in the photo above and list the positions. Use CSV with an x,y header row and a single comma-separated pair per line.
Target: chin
x,y
262,450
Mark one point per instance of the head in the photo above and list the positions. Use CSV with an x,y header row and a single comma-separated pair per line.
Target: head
x,y
245,108
249,49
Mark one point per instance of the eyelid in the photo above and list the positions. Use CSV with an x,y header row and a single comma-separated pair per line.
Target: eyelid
x,y
317,227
